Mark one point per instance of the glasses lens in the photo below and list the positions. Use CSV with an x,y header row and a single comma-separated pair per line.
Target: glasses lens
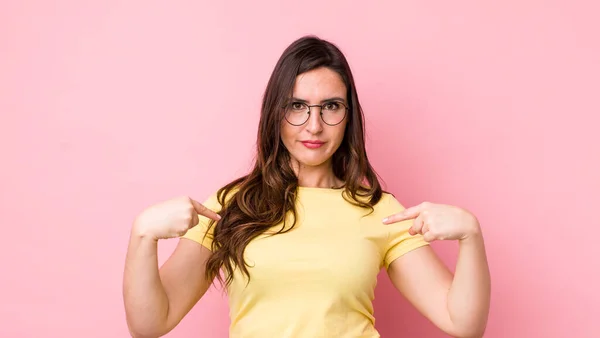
x,y
296,113
333,112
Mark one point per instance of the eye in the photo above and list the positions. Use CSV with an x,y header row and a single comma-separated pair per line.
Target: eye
x,y
297,106
331,106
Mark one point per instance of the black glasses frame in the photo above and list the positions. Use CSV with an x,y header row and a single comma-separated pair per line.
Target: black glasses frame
x,y
320,113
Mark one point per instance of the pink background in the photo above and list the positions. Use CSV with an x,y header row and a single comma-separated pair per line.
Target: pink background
x,y
109,106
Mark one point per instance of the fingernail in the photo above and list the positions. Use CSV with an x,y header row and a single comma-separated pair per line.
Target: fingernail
x,y
385,220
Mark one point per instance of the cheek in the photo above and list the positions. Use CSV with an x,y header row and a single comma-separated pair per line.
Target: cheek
x,y
338,135
287,135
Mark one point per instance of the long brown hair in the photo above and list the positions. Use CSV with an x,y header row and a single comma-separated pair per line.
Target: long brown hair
x,y
254,203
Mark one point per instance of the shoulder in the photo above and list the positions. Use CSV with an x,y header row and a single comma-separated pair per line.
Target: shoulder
x,y
389,203
387,198
222,196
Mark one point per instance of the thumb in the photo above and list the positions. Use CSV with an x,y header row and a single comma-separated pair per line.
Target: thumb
x,y
429,236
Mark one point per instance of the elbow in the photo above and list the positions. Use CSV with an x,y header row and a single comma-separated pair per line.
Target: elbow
x,y
471,325
467,332
142,324
145,331
474,335
470,329
138,333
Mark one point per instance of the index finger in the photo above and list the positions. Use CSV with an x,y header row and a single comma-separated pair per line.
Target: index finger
x,y
409,213
401,216
204,211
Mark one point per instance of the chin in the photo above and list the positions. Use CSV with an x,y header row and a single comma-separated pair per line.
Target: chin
x,y
312,161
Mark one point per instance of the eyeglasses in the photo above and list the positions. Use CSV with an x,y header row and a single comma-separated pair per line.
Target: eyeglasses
x,y
332,112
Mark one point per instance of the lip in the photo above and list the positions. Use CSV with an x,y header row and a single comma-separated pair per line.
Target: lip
x,y
312,144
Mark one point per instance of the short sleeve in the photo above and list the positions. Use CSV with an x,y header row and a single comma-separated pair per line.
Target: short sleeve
x,y
399,240
200,233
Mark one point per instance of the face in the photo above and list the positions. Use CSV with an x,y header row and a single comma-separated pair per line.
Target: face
x,y
313,143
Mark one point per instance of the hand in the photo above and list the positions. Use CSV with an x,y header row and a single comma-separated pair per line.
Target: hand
x,y
171,218
438,221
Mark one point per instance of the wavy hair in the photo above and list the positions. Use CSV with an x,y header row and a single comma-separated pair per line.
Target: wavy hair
x,y
254,203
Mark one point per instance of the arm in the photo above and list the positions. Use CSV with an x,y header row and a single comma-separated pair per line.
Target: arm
x,y
458,304
156,300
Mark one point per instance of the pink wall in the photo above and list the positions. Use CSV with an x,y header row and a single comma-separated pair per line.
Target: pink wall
x,y
109,106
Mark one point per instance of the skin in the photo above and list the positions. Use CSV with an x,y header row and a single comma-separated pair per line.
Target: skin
x,y
313,166
458,304
172,291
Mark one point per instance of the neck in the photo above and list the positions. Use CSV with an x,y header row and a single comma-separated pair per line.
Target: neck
x,y
316,177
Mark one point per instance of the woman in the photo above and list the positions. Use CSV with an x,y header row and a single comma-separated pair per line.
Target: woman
x,y
301,238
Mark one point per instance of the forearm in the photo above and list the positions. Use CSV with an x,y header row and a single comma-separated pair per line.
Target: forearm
x,y
469,295
146,303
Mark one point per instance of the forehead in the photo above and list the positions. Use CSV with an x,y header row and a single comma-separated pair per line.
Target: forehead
x,y
319,84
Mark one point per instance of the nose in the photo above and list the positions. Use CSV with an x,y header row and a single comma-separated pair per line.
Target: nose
x,y
314,125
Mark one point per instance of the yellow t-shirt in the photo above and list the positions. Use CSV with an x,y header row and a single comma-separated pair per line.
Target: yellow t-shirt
x,y
317,280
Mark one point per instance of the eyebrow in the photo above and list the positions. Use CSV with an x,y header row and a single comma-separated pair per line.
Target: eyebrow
x,y
335,98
